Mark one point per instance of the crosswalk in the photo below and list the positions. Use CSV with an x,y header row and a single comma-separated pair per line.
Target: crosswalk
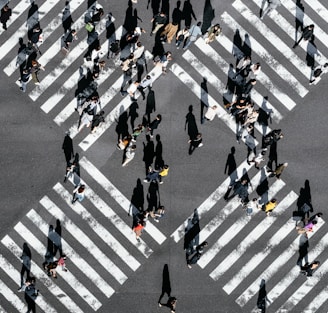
x,y
97,237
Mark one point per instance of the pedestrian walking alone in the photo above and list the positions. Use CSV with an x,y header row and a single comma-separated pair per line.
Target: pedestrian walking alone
x,y
78,193
269,206
171,303
308,269
306,34
199,252
213,32
130,152
154,124
31,293
194,32
5,16
271,5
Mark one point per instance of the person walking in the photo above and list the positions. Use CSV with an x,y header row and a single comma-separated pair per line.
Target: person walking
x,y
25,77
169,31
78,193
154,124
158,21
97,120
194,31
182,36
140,225
195,143
68,39
199,252
213,32
130,152
31,293
309,269
126,66
171,303
147,82
5,16
270,206
271,5
35,69
278,171
26,264
306,34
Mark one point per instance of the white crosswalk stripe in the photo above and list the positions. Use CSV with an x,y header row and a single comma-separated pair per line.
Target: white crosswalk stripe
x,y
43,278
11,297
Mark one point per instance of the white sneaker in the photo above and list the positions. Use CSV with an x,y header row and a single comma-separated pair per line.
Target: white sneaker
x,y
201,144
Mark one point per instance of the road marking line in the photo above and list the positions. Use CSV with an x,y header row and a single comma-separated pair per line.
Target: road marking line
x,y
11,297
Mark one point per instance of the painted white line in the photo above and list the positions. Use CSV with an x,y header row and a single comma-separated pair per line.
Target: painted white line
x,y
72,81
208,204
8,46
272,38
15,276
283,98
115,219
254,235
272,269
9,295
318,32
304,289
46,32
70,279
57,292
184,77
84,240
317,7
236,227
317,302
89,140
100,230
16,12
119,197
262,78
288,279
290,31
74,257
259,257
264,54
213,80
64,64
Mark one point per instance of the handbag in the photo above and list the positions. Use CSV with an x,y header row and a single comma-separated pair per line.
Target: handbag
x,y
89,27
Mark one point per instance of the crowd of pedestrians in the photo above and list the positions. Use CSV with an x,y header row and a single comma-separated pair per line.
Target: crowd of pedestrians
x,y
130,51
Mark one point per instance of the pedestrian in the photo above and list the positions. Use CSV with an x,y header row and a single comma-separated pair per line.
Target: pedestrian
x,y
85,120
240,188
308,227
255,69
69,38
97,120
114,49
213,32
182,36
67,20
78,193
170,31
247,88
147,82
159,20
97,15
269,206
195,143
5,16
36,37
315,217
278,171
317,72
154,124
211,112
35,69
199,251
51,269
31,293
252,206
274,136
126,66
130,152
194,31
123,143
258,159
131,90
25,77
271,5
71,169
163,61
306,34
137,131
171,303
158,214
138,229
61,262
26,264
138,52
308,269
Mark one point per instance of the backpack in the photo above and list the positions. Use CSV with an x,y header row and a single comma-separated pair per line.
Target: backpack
x,y
164,172
317,72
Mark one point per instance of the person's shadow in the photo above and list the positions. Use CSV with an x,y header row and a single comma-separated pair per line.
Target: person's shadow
x,y
153,197
137,199
231,165
129,19
67,20
230,86
149,153
110,29
247,46
26,262
188,13
166,9
203,98
303,250
68,148
262,297
311,52
159,162
305,198
263,189
191,237
32,17
166,284
273,156
237,46
177,15
150,104
264,116
133,113
190,124
299,17
122,128
154,5
208,16
58,242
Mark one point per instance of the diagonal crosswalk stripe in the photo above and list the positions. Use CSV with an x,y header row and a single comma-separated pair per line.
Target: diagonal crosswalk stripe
x,y
71,280
84,240
11,297
272,38
320,9
208,204
74,257
264,54
63,66
43,278
317,302
71,82
100,230
256,233
7,47
118,196
47,32
283,258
